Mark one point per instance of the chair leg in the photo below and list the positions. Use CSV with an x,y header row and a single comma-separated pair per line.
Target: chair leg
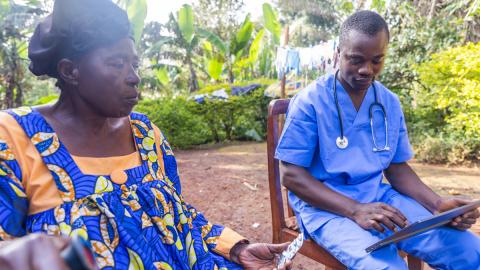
x,y
414,263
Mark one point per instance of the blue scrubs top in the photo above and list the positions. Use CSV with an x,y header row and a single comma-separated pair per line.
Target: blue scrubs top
x,y
309,140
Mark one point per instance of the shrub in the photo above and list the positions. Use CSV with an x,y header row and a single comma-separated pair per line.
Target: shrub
x,y
448,106
187,123
181,127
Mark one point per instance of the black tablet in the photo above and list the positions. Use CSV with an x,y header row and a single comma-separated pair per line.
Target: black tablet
x,y
424,225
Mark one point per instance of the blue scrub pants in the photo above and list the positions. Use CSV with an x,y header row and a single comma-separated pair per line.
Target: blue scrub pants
x,y
441,248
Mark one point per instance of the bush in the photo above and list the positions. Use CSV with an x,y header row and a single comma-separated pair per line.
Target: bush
x,y
187,123
180,126
443,149
448,106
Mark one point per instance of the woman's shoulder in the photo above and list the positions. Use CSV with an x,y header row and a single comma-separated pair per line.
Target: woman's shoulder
x,y
10,130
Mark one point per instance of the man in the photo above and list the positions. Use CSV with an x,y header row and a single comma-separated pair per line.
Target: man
x,y
345,132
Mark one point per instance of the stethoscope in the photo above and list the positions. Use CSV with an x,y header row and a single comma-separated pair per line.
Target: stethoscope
x,y
342,141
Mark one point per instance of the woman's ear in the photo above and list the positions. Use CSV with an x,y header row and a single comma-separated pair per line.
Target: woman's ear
x,y
68,71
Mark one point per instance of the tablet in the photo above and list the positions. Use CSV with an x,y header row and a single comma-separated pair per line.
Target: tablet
x,y
424,225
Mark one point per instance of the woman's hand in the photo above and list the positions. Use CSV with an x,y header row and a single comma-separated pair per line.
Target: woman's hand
x,y
33,252
260,256
378,216
463,222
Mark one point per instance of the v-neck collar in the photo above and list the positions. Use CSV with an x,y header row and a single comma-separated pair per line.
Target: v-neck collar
x,y
352,117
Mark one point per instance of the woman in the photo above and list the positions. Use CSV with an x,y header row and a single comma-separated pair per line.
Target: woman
x,y
88,166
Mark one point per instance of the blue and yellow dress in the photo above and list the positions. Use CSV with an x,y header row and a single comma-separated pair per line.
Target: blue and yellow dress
x,y
134,218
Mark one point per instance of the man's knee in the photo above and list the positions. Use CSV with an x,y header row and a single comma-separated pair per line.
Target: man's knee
x,y
446,248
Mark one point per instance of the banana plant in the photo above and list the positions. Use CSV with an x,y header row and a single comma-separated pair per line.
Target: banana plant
x,y
271,23
137,12
184,37
231,52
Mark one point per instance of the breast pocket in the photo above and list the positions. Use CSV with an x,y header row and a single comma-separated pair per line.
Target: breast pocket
x,y
386,136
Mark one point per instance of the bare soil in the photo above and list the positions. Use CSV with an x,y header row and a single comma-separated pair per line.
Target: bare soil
x,y
229,184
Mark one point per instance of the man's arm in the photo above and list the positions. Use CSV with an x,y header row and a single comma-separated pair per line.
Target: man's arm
x,y
369,216
402,177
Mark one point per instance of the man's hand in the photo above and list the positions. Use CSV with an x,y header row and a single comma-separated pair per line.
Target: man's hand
x,y
374,215
33,252
463,222
260,256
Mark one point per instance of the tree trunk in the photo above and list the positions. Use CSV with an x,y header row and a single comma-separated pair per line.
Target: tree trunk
x,y
193,82
18,95
431,12
231,76
9,91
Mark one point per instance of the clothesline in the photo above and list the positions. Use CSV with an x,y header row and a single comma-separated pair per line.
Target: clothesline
x,y
320,57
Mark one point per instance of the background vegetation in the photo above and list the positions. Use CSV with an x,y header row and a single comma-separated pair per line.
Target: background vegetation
x,y
433,65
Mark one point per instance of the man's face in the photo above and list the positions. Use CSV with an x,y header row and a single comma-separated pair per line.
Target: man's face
x,y
361,59
108,79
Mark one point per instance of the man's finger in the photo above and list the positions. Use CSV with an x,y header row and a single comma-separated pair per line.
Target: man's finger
x,y
462,226
378,227
469,221
396,219
394,210
472,214
461,201
385,221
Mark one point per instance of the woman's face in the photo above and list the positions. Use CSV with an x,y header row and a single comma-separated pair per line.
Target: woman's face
x,y
108,79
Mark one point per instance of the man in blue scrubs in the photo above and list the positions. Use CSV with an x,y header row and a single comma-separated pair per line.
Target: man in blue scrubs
x,y
334,159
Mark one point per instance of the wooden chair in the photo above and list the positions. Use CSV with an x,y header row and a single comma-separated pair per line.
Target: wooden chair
x,y
283,220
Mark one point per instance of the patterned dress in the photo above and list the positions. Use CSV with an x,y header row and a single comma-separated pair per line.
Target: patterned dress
x,y
141,224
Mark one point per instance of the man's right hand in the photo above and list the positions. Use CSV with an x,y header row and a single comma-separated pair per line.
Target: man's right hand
x,y
374,215
33,252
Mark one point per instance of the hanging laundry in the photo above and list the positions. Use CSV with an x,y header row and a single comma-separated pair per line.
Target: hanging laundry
x,y
293,61
281,60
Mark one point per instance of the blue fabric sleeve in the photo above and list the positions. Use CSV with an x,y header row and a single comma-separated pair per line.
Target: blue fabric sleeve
x,y
404,150
299,139
13,199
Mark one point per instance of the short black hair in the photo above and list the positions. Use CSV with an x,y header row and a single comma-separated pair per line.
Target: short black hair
x,y
363,21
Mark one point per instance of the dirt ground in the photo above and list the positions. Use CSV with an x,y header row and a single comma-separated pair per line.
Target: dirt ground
x,y
230,185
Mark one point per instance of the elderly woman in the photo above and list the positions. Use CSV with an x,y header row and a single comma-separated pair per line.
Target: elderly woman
x,y
88,166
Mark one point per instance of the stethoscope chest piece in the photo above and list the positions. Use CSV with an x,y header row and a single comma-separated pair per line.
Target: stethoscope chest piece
x,y
342,143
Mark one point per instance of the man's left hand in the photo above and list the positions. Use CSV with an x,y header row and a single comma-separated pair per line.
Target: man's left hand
x,y
261,256
463,222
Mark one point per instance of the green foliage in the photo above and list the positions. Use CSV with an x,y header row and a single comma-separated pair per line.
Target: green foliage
x,y
215,67
137,12
46,100
181,127
242,37
448,105
187,123
413,39
185,22
271,22
213,39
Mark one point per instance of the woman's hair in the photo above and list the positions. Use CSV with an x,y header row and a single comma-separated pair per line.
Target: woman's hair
x,y
74,28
